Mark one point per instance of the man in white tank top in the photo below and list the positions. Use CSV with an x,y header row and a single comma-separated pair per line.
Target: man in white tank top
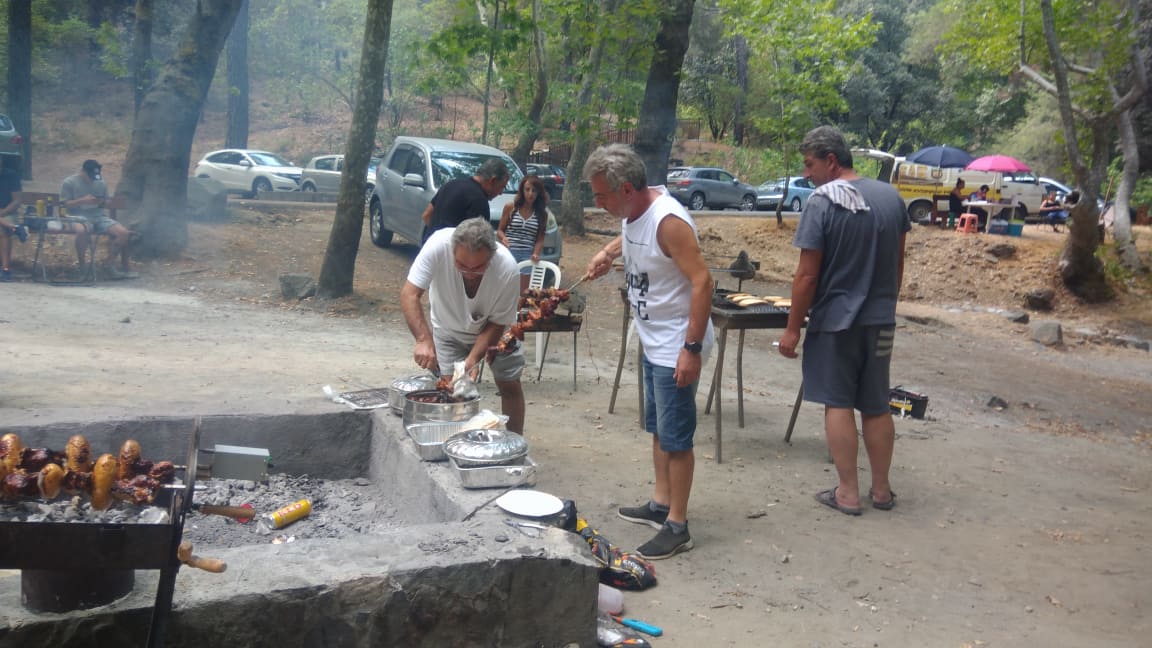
x,y
670,294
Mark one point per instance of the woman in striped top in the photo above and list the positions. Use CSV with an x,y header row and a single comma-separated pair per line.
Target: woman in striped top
x,y
522,224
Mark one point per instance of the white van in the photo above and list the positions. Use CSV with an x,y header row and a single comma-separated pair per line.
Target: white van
x,y
921,185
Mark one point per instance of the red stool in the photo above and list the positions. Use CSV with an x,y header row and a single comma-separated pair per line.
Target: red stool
x,y
967,224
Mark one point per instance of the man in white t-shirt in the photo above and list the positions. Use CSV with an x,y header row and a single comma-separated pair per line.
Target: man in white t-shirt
x,y
670,293
474,288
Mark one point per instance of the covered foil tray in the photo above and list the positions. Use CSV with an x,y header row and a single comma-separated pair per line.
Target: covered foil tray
x,y
429,437
521,472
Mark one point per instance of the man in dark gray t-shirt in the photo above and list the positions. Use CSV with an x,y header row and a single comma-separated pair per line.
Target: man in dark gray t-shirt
x,y
851,238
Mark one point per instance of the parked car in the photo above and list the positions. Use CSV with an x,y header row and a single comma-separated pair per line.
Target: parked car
x,y
413,171
10,140
249,172
322,174
769,194
553,177
701,187
1062,190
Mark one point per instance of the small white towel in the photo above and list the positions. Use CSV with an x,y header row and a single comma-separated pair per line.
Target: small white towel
x,y
843,194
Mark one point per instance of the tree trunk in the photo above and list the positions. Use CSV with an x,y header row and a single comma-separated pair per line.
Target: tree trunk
x,y
1121,215
657,124
532,133
741,47
155,180
142,51
1080,270
237,136
572,209
20,76
339,267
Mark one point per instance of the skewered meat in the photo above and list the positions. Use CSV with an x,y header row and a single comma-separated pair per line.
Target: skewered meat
x,y
78,454
141,489
129,454
548,293
163,472
51,479
32,460
103,475
20,484
75,483
10,447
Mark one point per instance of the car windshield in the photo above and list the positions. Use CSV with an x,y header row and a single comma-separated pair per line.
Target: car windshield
x,y
449,165
269,159
372,164
678,173
773,187
5,123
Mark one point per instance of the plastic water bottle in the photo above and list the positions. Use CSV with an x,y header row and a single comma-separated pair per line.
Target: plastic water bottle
x,y
610,600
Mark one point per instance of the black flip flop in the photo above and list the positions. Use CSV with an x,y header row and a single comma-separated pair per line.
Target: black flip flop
x,y
828,498
883,506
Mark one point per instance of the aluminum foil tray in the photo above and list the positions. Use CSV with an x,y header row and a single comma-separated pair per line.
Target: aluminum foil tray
x,y
522,472
429,437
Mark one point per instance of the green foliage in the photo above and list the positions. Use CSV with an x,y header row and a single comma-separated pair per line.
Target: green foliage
x,y
115,55
805,52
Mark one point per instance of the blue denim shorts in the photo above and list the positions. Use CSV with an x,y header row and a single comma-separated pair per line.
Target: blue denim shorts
x,y
669,411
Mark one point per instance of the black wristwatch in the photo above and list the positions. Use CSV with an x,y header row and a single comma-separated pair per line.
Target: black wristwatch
x,y
693,347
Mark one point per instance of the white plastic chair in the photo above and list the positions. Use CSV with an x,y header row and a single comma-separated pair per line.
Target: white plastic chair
x,y
536,281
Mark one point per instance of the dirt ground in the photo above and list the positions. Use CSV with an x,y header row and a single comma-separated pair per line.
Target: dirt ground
x,y
1024,525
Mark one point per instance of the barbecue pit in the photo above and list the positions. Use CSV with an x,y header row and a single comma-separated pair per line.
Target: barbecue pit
x,y
448,571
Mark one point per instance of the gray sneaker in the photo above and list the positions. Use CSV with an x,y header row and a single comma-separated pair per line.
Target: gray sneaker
x,y
643,514
666,544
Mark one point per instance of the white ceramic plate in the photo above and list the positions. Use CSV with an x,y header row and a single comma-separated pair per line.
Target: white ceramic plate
x,y
530,503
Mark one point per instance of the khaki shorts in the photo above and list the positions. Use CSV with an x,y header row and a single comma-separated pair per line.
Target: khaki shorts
x,y
454,347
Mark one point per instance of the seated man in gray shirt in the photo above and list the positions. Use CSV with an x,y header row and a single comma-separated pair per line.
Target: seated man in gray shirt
x,y
84,195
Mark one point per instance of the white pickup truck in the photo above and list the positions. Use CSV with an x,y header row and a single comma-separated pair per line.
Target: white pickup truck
x,y
922,185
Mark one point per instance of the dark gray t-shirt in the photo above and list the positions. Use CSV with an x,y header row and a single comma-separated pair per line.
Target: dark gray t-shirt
x,y
859,267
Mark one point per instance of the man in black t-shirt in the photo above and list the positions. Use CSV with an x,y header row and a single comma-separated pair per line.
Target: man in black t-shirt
x,y
464,198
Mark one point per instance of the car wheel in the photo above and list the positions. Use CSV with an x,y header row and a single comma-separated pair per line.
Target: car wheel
x,y
920,212
748,203
308,186
796,204
696,201
259,186
380,236
1021,213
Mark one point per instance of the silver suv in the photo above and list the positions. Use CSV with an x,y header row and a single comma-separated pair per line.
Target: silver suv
x,y
414,170
702,187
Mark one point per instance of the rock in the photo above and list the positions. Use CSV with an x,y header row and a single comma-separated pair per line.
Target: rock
x,y
1047,332
1040,299
997,403
1020,317
207,200
297,285
1002,250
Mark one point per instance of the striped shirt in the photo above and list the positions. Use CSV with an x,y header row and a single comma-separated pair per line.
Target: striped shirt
x,y
522,232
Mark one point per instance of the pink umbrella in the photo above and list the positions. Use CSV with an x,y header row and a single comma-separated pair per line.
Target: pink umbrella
x,y
1001,163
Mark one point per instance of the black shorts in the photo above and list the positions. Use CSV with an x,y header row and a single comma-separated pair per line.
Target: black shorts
x,y
849,368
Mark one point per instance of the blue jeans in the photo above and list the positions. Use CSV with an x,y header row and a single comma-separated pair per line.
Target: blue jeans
x,y
669,411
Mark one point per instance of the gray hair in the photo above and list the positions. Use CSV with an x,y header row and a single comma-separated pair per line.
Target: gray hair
x,y
474,234
619,164
824,140
492,169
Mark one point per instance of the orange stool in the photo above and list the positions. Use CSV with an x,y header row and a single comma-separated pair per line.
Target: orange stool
x,y
967,224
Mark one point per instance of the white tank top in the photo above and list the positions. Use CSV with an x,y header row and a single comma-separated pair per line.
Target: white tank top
x,y
659,294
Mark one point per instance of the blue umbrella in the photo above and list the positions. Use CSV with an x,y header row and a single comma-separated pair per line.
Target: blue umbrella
x,y
941,156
